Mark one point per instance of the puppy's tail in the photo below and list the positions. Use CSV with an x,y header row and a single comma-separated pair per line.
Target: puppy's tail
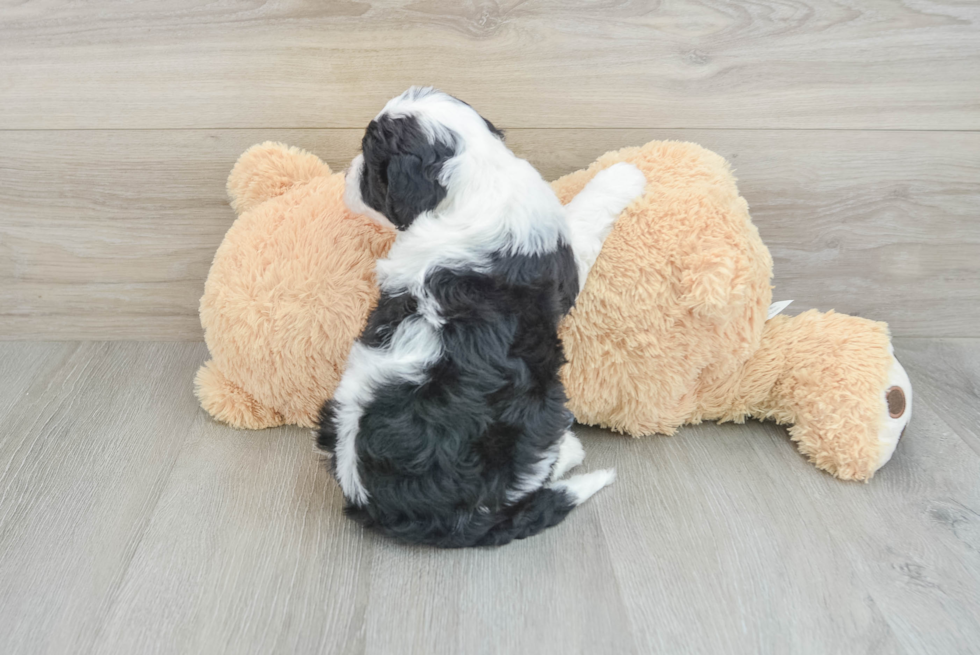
x,y
546,507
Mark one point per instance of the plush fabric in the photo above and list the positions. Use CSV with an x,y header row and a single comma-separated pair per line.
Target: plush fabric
x,y
289,290
669,329
823,375
676,301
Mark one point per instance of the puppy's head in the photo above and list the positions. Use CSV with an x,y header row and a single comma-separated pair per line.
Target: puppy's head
x,y
406,163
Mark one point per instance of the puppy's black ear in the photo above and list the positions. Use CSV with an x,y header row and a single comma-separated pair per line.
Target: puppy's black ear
x,y
494,130
413,187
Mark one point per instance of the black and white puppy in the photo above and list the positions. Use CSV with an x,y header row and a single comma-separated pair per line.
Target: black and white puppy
x,y
449,425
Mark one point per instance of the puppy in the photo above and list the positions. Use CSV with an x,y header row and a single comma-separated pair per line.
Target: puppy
x,y
449,425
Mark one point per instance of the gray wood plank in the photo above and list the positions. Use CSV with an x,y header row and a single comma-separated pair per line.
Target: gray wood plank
x,y
129,522
716,551
913,536
879,224
554,593
945,375
545,63
800,561
84,455
21,364
247,552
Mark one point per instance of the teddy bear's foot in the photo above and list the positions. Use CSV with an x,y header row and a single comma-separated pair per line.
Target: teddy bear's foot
x,y
896,411
229,403
268,170
834,380
593,211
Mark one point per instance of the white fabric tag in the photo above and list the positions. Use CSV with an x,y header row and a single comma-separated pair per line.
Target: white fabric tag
x,y
777,307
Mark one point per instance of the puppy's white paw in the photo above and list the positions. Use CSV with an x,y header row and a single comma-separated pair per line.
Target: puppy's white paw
x,y
619,185
570,455
582,487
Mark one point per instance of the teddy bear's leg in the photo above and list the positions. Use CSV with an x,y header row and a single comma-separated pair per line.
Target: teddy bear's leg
x,y
593,211
268,170
229,403
833,378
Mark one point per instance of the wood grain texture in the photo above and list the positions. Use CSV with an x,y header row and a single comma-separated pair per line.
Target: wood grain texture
x,y
247,552
547,63
110,234
86,448
130,522
946,376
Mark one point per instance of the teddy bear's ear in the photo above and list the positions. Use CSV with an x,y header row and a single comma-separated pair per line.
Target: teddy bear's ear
x,y
268,170
413,187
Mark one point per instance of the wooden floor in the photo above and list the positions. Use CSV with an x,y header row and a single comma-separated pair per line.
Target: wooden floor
x,y
130,522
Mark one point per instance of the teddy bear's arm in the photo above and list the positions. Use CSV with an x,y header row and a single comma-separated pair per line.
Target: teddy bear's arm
x,y
268,170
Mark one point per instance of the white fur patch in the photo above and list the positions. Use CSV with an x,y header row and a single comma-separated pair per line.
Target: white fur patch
x,y
570,455
593,211
535,479
495,202
414,347
583,486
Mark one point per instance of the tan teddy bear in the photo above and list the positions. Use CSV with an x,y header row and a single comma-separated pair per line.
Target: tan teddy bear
x,y
289,290
670,327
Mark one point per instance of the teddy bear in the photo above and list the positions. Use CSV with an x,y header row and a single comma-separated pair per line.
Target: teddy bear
x,y
288,292
671,326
